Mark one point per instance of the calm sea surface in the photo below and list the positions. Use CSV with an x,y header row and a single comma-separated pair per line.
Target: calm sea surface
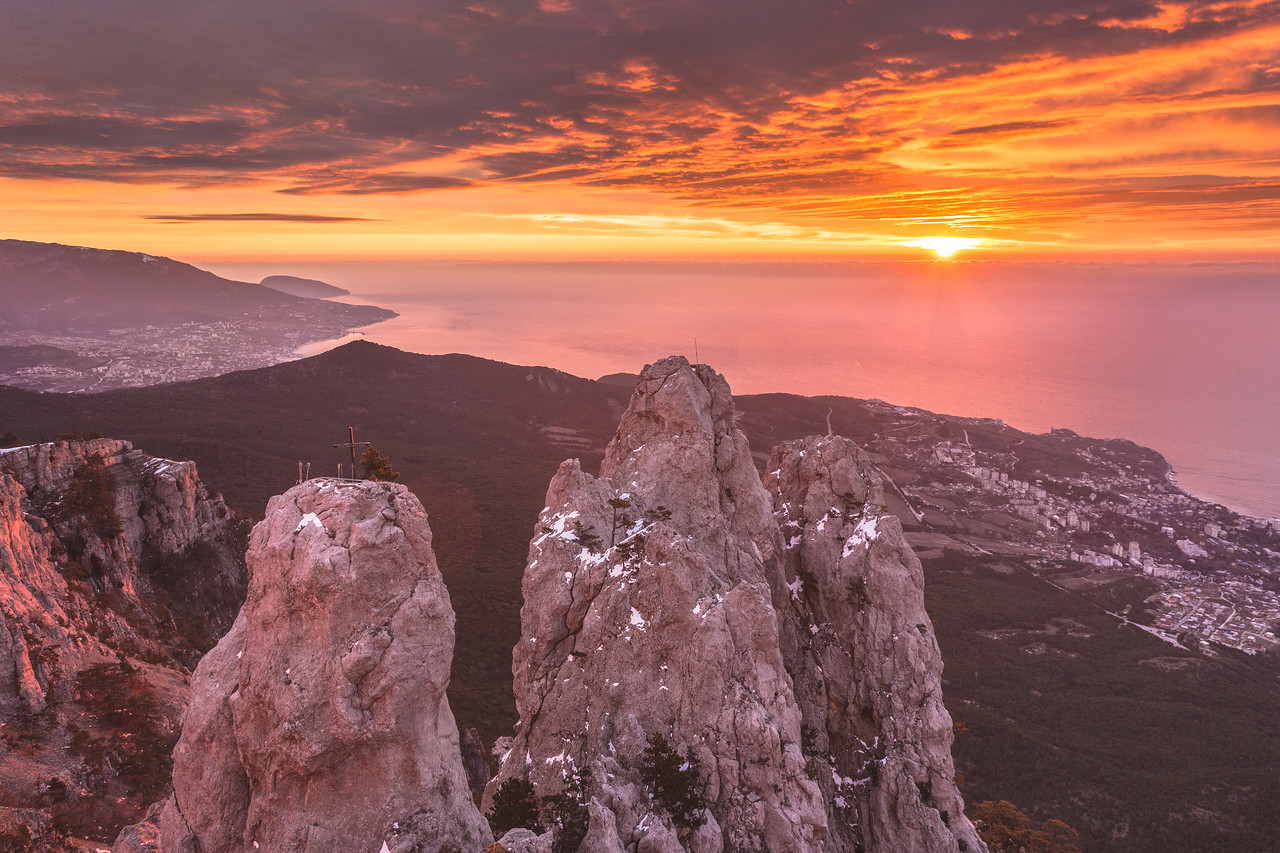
x,y
1181,358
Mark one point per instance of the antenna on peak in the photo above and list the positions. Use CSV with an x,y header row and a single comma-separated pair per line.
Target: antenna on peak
x,y
696,360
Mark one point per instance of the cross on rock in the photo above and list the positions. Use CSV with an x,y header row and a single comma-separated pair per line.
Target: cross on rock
x,y
353,444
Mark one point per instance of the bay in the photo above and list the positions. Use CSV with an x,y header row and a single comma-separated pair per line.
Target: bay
x,y
1183,358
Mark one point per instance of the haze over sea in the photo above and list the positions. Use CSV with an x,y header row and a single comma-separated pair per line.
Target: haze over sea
x,y
1183,358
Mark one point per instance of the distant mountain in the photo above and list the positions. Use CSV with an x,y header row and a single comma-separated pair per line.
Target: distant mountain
x,y
307,288
135,319
57,288
627,379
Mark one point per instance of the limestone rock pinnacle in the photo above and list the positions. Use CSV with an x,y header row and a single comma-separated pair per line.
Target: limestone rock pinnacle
x,y
648,611
862,653
320,721
773,633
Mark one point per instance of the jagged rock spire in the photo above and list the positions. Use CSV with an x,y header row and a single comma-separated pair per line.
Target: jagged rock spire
x,y
671,631
861,650
802,674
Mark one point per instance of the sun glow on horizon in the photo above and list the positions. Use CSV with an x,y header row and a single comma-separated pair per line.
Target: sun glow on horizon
x,y
945,247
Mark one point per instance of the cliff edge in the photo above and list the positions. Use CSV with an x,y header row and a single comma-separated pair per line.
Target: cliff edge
x,y
116,570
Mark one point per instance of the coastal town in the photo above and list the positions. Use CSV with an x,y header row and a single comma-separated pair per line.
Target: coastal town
x,y
1084,514
156,354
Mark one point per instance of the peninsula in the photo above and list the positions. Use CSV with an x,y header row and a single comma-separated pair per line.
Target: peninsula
x,y
79,319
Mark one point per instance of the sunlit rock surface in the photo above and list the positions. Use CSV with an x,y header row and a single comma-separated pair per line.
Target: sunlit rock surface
x,y
861,650
320,721
781,641
114,567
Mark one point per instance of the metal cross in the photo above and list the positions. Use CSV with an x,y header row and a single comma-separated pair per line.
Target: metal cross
x,y
353,444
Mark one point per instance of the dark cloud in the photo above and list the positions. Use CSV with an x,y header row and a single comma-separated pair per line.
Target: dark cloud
x,y
969,137
375,184
1006,127
351,96
256,217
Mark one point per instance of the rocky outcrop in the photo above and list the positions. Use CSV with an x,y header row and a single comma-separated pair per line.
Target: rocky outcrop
x,y
134,533
33,592
320,721
798,675
115,567
861,651
648,612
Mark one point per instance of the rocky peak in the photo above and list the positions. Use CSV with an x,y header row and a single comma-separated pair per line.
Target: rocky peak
x,y
861,650
678,447
647,612
320,721
775,637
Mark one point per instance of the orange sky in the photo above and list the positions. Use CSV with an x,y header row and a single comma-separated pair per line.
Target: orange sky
x,y
663,128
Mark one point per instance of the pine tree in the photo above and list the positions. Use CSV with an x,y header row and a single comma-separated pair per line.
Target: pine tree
x,y
568,813
673,782
375,466
92,494
515,805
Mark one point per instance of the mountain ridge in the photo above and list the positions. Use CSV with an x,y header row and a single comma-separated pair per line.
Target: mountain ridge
x,y
138,319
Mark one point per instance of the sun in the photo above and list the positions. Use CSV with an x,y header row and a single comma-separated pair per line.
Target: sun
x,y
945,247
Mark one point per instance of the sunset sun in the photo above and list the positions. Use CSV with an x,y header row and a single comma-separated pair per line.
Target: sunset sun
x,y
945,247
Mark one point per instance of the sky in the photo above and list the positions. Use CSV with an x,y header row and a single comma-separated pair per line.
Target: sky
x,y
389,129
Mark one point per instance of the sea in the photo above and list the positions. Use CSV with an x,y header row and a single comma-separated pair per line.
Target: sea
x,y
1180,357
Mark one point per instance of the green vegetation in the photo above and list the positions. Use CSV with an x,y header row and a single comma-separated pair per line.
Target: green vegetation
x,y
1143,747
203,587
375,466
515,805
1006,829
92,495
618,503
567,813
674,782
122,742
586,536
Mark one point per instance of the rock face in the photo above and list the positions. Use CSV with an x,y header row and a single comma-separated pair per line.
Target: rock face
x,y
84,561
862,653
114,567
132,535
320,721
672,631
661,598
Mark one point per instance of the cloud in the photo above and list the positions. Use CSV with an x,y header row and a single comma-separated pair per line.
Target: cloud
x,y
377,184
798,106
982,134
255,217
